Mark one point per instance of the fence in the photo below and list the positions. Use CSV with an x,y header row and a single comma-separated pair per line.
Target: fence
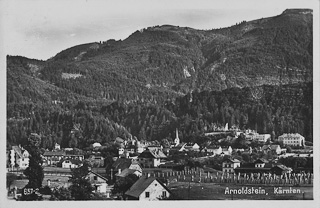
x,y
198,175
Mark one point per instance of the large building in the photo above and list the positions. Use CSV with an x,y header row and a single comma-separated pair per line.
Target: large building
x,y
229,165
292,139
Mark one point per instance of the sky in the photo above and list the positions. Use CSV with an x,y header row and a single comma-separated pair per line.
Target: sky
x,y
42,28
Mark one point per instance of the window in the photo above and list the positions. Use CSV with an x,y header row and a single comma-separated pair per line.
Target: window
x,y
147,194
164,194
95,178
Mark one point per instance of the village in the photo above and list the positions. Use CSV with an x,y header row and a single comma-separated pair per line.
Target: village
x,y
178,170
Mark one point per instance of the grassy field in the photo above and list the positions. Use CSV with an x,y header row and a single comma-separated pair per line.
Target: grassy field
x,y
209,191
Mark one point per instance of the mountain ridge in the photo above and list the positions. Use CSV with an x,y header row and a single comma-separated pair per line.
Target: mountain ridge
x,y
162,62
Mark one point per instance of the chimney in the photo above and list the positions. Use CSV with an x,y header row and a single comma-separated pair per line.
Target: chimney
x,y
119,171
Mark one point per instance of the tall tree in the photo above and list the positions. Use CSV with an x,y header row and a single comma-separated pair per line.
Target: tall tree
x,y
34,171
81,188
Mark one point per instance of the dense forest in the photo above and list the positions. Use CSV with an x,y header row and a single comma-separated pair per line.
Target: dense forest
x,y
266,109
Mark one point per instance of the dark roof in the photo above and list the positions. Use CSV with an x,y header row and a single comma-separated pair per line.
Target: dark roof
x,y
122,163
54,153
261,160
100,176
282,167
152,154
141,184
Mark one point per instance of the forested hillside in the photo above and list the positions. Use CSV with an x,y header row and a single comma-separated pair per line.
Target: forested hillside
x,y
255,74
266,109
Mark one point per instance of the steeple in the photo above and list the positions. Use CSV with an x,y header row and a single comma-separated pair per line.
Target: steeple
x,y
177,140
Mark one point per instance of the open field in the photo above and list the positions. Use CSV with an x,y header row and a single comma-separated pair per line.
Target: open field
x,y
210,191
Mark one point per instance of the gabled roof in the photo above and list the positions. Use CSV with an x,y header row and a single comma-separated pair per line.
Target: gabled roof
x,y
100,176
122,163
152,154
282,167
142,184
232,160
17,149
272,147
261,160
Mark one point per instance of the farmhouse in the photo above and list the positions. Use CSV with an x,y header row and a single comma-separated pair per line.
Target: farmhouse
x,y
98,181
147,188
150,158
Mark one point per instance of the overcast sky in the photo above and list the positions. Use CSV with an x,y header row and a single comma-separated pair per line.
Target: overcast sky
x,y
42,28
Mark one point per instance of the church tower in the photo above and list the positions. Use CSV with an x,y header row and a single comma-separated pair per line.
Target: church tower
x,y
177,140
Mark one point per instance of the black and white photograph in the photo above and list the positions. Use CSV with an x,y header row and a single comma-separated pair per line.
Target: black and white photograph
x,y
124,101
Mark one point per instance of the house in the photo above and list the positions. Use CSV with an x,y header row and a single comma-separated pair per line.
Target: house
x,y
125,163
99,182
71,163
260,163
262,137
96,160
227,150
274,148
180,147
214,150
292,139
147,188
19,157
229,165
53,157
140,147
194,147
96,144
151,158
280,169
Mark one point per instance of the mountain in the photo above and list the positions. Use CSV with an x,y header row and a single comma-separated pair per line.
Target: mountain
x,y
163,62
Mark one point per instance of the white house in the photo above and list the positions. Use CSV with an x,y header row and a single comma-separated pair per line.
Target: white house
x,y
229,165
148,188
214,150
292,139
227,151
19,157
261,137
151,158
71,163
98,181
260,163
